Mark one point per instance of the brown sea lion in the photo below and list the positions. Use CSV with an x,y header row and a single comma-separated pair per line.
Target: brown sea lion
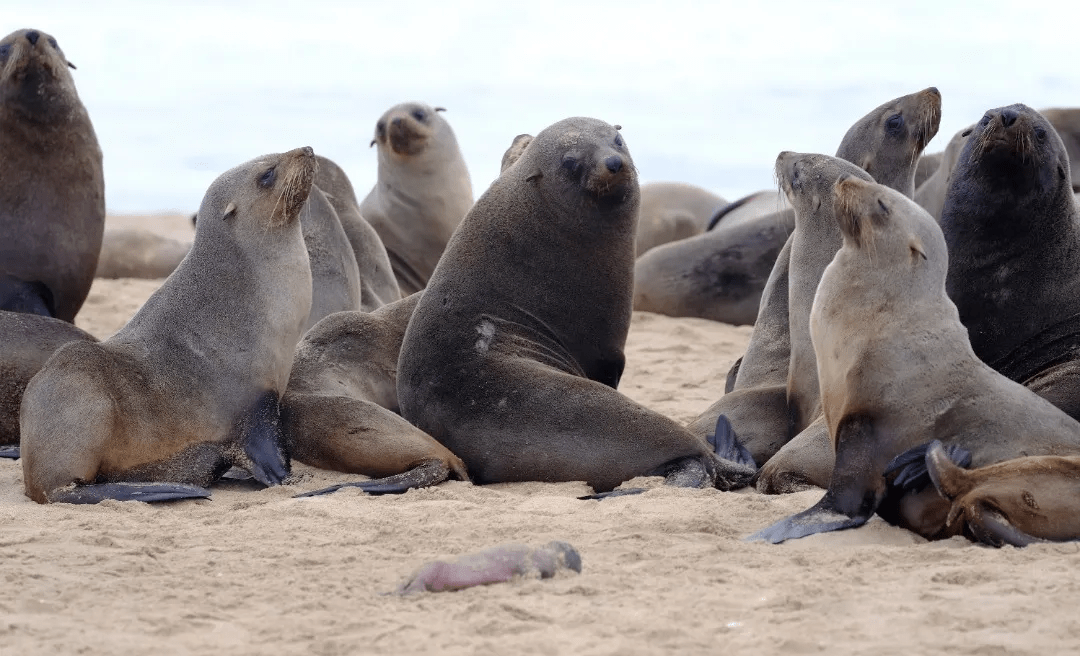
x,y
335,277
28,342
931,194
422,193
751,208
928,164
52,191
338,411
775,394
671,211
493,565
378,285
1066,122
189,387
897,370
513,354
135,253
1012,225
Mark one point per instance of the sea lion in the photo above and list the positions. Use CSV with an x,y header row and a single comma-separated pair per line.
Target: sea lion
x,y
135,253
52,190
493,565
378,285
896,370
189,387
775,394
750,208
28,343
513,355
338,411
335,277
1012,226
422,193
1066,123
928,164
513,153
671,211
931,194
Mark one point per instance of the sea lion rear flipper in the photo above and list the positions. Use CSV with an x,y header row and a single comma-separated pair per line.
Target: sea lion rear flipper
x,y
911,466
264,442
821,518
726,444
10,452
425,474
147,492
989,527
26,297
732,374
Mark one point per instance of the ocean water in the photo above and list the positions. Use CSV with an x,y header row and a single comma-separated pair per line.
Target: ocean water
x,y
707,93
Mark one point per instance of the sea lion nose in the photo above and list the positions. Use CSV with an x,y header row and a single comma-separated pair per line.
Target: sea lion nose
x,y
934,90
1008,117
613,163
32,36
308,151
396,121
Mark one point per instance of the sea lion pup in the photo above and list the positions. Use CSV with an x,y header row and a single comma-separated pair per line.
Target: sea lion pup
x,y
931,194
134,253
513,354
378,286
493,565
52,191
338,411
422,193
671,211
1066,123
189,387
896,370
775,397
517,146
28,342
335,277
750,208
1012,226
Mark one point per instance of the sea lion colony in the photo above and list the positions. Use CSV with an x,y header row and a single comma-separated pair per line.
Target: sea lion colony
x,y
504,363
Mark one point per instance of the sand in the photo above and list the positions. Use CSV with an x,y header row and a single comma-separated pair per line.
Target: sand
x,y
256,571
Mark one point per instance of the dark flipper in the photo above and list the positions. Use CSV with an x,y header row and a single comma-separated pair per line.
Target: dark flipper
x,y
26,297
993,529
128,492
427,474
264,442
10,452
726,444
732,374
910,467
613,493
727,209
684,472
853,495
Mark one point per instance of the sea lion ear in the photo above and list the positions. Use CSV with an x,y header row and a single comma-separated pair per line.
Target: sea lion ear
x,y
230,209
967,132
72,65
535,176
440,109
617,126
372,143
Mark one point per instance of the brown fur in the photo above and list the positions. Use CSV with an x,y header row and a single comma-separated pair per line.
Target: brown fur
x,y
671,211
52,190
134,253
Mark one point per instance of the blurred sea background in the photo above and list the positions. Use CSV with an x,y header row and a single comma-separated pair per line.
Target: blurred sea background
x,y
707,92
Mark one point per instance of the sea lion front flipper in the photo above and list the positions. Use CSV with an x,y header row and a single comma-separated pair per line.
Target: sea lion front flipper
x,y
147,492
264,443
821,518
426,474
10,452
913,467
689,472
989,527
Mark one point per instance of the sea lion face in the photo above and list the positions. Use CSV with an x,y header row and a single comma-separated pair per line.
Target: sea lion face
x,y
895,234
263,194
1014,152
808,178
587,161
406,129
890,138
34,73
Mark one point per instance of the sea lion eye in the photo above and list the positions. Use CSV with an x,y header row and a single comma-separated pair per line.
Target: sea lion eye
x,y
52,42
419,114
570,163
266,180
5,50
895,122
618,140
1040,134
985,120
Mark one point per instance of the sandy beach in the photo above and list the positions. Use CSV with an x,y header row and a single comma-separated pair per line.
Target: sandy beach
x,y
256,571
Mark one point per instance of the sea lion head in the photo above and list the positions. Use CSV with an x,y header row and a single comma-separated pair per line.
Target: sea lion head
x,y
406,130
34,75
513,153
582,164
260,195
894,233
808,179
1015,152
887,142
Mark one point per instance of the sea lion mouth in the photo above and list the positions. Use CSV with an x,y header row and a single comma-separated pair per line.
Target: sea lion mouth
x,y
404,138
929,119
610,181
300,166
